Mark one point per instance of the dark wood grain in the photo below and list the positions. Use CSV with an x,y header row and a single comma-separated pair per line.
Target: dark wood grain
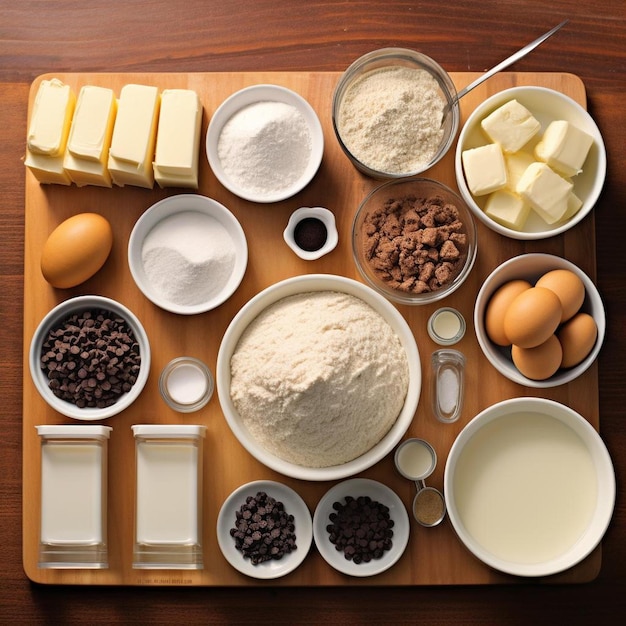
x,y
38,37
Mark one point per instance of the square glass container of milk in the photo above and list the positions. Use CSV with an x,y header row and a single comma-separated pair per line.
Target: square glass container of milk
x,y
73,523
168,499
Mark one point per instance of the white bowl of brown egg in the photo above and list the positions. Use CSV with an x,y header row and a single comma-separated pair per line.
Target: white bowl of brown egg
x,y
530,162
318,377
539,320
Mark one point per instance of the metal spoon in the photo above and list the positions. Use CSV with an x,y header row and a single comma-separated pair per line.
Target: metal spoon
x,y
494,70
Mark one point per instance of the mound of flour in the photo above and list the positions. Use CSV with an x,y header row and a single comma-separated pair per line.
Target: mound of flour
x,y
319,378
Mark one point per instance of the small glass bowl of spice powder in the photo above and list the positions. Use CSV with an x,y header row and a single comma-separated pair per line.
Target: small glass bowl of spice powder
x,y
387,113
311,232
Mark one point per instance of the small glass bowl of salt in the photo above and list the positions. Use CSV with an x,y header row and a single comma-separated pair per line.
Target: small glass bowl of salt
x,y
186,384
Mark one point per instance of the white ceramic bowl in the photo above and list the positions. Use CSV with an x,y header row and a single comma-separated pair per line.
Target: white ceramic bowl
x,y
531,267
376,491
546,105
556,499
303,284
294,505
249,96
323,215
179,205
56,316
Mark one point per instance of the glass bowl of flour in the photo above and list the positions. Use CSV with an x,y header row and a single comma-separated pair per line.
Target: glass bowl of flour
x,y
318,377
187,254
265,143
387,111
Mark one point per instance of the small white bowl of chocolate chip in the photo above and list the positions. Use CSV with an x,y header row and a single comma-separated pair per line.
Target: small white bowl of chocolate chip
x,y
414,240
89,358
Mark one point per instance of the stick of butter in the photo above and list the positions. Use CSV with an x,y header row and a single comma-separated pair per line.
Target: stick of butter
x,y
545,191
51,118
48,131
178,139
485,170
507,209
564,147
90,137
512,126
134,135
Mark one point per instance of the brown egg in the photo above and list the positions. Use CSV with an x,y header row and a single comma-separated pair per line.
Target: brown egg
x,y
532,317
76,249
568,287
577,337
497,306
540,362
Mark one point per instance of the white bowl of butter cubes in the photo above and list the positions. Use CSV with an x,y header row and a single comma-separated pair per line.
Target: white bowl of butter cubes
x,y
530,162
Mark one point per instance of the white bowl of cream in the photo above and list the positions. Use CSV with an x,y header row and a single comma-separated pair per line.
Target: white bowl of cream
x,y
529,487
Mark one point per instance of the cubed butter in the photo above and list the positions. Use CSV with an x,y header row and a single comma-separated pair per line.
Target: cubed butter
x,y
508,209
564,147
134,136
178,139
545,191
512,126
574,203
90,137
516,164
50,119
485,170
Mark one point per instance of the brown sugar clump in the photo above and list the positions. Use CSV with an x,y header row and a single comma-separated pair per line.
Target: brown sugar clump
x,y
415,245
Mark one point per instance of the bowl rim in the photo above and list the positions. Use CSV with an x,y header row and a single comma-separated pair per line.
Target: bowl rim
x,y
294,505
433,296
606,484
377,491
303,284
250,95
59,312
491,103
426,62
494,354
183,203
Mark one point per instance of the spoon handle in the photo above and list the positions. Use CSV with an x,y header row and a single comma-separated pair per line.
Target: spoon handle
x,y
512,59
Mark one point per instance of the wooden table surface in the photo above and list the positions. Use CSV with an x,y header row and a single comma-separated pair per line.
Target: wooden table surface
x,y
254,35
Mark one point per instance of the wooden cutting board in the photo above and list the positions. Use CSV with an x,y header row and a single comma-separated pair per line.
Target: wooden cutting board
x,y
434,556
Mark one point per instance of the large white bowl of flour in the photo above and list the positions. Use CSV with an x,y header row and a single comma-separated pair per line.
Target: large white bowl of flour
x,y
296,410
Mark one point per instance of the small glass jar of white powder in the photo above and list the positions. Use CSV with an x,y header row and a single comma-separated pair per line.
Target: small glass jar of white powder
x,y
388,112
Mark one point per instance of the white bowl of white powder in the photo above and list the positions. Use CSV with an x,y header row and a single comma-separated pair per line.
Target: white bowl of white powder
x,y
265,143
318,377
187,254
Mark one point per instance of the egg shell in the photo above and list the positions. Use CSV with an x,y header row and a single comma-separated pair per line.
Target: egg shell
x,y
497,307
568,287
532,317
540,362
577,337
76,249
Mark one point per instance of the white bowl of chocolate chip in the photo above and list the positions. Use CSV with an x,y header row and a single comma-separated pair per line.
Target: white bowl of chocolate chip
x,y
89,358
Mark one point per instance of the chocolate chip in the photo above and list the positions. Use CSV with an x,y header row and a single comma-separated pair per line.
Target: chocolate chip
x,y
361,528
77,355
263,529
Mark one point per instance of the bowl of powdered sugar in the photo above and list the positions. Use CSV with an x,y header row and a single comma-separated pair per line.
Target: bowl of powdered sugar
x,y
388,109
187,254
318,377
265,143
